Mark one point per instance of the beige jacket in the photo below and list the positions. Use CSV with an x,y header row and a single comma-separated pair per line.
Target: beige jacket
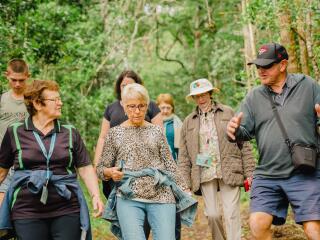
x,y
236,164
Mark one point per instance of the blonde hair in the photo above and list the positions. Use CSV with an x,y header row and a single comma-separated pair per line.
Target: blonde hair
x,y
165,98
135,91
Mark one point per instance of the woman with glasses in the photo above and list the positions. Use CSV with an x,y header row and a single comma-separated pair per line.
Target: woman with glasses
x,y
114,115
44,199
137,157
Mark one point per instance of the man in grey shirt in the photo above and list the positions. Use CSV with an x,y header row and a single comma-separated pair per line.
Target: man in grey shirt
x,y
12,107
277,183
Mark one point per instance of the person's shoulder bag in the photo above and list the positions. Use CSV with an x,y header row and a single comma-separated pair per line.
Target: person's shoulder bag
x,y
304,156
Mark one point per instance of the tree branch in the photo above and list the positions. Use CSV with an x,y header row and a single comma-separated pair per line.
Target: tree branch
x,y
299,34
166,58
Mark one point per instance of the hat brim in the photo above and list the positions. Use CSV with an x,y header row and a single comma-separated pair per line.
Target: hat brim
x,y
262,62
189,97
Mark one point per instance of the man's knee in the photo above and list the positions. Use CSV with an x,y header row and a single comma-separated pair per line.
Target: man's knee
x,y
260,223
214,216
312,229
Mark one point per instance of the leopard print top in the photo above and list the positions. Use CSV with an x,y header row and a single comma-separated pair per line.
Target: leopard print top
x,y
141,147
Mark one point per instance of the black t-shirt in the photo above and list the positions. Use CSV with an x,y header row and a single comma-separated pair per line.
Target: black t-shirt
x,y
115,114
28,205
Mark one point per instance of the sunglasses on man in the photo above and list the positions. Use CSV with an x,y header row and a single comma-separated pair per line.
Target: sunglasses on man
x,y
266,66
269,65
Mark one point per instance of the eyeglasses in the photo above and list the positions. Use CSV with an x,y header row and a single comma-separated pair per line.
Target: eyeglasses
x,y
198,96
133,107
56,100
165,108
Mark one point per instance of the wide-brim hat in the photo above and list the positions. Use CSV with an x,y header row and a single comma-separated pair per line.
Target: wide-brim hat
x,y
270,53
200,86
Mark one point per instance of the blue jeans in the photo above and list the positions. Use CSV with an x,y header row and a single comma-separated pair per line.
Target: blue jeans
x,y
6,182
161,217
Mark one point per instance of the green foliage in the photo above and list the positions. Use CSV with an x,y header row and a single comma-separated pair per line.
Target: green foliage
x,y
84,45
99,226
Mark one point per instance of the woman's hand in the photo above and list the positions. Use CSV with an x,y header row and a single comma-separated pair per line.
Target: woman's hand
x,y
97,205
115,174
188,191
90,179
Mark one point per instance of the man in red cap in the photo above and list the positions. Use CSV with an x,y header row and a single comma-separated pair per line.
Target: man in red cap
x,y
282,115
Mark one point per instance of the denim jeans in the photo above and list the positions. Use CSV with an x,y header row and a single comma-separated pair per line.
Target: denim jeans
x,y
6,182
161,217
186,206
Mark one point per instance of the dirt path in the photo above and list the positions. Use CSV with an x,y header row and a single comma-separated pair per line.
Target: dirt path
x,y
200,230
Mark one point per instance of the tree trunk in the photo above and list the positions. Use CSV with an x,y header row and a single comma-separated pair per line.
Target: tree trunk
x,y
287,38
197,36
249,48
309,41
104,13
302,37
302,45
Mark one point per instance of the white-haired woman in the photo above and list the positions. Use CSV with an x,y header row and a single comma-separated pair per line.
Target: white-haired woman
x,y
143,149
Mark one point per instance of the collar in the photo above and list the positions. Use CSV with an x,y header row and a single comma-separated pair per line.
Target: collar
x,y
168,118
10,93
289,83
29,126
215,107
284,88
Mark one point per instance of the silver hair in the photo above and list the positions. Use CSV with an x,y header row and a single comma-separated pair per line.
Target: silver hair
x,y
135,91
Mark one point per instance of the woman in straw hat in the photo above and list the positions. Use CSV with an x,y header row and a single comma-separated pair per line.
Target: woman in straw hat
x,y
211,164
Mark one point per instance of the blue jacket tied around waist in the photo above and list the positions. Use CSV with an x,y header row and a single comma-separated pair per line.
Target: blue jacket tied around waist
x,y
35,180
185,204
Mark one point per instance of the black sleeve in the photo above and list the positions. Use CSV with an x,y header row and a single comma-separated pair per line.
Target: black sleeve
x,y
153,110
81,155
107,113
6,151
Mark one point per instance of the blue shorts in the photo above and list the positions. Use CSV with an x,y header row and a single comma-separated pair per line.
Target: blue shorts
x,y
273,196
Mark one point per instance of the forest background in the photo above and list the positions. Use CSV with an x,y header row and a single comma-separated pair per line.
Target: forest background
x,y
85,44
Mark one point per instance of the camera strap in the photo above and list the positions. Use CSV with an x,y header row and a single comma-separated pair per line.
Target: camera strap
x,y
278,119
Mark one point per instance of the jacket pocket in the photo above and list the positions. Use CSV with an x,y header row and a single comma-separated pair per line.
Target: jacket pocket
x,y
234,163
233,170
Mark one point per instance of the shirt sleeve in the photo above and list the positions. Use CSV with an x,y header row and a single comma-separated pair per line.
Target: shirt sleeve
x,y
6,151
153,110
108,155
246,131
316,100
316,94
170,164
81,154
184,160
107,114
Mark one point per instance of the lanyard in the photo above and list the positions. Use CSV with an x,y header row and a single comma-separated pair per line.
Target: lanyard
x,y
44,151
